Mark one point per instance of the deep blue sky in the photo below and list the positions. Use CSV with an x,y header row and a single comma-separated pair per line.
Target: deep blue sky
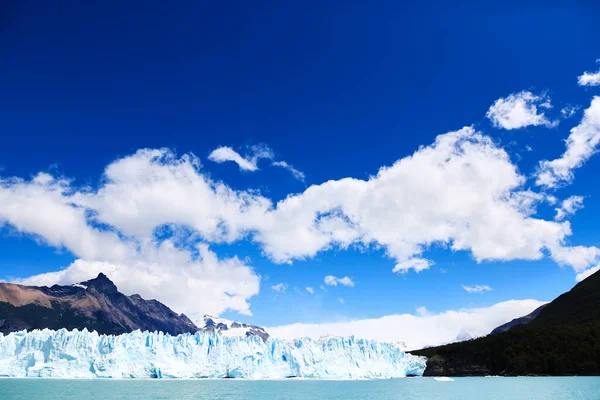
x,y
337,89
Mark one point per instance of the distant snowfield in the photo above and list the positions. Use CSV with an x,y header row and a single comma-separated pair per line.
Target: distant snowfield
x,y
83,354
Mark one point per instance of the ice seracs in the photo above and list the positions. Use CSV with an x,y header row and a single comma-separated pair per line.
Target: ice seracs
x,y
83,354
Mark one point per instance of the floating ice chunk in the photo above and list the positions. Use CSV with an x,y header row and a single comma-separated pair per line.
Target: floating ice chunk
x,y
443,379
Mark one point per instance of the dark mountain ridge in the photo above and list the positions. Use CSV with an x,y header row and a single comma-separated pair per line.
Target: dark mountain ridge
x,y
563,339
95,304
519,321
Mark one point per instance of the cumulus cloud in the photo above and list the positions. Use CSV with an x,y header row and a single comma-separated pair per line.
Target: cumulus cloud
x,y
578,257
418,264
569,207
417,331
310,290
248,163
461,192
331,280
520,110
476,288
589,78
581,144
588,272
295,173
189,279
194,285
279,288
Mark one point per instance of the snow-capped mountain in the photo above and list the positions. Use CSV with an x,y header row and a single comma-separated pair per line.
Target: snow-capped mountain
x,y
229,328
83,354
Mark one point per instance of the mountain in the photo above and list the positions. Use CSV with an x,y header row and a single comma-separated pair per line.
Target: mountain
x,y
564,339
95,304
519,321
226,327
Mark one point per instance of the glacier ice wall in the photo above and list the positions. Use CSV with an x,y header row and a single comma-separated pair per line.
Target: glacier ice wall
x,y
83,354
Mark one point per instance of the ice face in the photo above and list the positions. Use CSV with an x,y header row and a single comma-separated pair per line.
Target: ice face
x,y
83,354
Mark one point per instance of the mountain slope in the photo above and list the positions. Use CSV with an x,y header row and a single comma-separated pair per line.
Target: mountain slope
x,y
519,321
95,304
564,339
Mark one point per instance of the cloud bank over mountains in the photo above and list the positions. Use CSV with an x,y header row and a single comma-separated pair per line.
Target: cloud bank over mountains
x,y
420,330
462,192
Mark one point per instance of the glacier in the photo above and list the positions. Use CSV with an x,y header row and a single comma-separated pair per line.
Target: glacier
x,y
82,354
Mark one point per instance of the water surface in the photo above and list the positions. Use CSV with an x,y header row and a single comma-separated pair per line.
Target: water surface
x,y
567,388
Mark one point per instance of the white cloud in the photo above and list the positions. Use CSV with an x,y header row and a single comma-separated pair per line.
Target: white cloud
x,y
578,257
587,273
295,173
417,331
418,264
519,110
280,287
569,207
186,284
152,188
462,192
331,280
568,111
42,207
310,290
581,144
248,163
589,78
477,288
192,280
422,311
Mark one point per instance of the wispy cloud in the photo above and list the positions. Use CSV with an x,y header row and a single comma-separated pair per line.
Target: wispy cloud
x,y
310,290
280,287
581,144
247,163
477,288
569,207
331,280
568,111
295,173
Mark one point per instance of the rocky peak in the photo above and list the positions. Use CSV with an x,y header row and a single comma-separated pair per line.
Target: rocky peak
x,y
101,283
231,328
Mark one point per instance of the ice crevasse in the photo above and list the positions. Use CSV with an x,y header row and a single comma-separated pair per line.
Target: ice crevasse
x,y
83,354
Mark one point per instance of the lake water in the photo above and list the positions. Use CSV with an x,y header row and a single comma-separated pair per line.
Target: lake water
x,y
571,388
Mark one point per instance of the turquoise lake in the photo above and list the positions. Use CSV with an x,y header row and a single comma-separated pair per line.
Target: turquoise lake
x,y
567,388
